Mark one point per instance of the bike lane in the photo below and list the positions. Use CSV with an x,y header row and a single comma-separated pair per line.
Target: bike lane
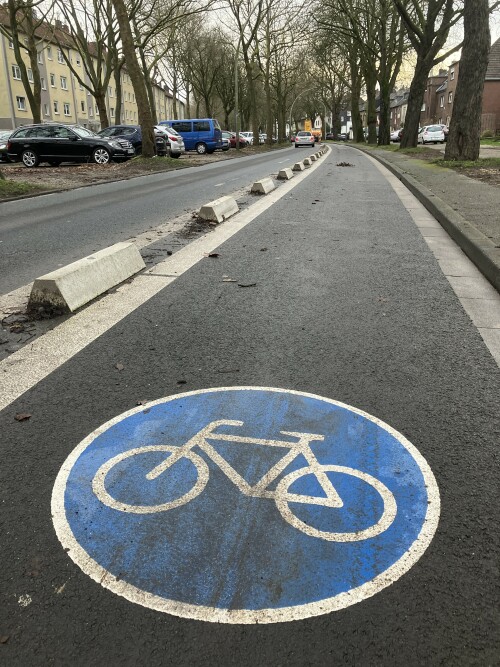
x,y
342,300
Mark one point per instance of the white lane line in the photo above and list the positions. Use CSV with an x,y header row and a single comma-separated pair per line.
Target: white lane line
x,y
23,369
218,185
478,297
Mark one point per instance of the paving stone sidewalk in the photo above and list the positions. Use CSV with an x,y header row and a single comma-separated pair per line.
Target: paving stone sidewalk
x,y
469,210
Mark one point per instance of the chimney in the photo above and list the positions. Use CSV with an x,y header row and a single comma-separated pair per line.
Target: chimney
x,y
58,24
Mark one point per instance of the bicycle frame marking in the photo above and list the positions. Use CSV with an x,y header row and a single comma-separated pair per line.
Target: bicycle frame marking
x,y
281,495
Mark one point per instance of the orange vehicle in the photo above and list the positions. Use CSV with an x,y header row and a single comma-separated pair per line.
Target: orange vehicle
x,y
317,134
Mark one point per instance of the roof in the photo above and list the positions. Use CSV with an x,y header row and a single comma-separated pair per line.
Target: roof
x,y
493,71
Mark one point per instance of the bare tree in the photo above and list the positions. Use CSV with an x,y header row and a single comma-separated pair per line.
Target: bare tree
x,y
24,31
428,25
137,77
91,20
465,127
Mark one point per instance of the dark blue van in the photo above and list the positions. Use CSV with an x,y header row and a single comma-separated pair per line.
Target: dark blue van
x,y
202,135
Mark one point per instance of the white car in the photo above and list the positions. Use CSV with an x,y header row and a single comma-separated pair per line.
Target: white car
x,y
430,134
175,141
304,138
396,135
248,136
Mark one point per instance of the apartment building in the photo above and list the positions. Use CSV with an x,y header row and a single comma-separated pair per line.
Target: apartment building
x,y
63,98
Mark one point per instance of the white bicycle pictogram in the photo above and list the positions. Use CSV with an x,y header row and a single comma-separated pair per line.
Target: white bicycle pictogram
x,y
280,494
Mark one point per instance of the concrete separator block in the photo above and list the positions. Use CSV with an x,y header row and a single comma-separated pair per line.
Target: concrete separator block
x,y
219,209
263,186
298,166
313,158
74,285
307,162
285,174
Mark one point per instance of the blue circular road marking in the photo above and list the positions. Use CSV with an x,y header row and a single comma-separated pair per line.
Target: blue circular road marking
x,y
245,505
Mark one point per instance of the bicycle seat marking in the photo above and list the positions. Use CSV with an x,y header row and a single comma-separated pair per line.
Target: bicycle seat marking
x,y
245,505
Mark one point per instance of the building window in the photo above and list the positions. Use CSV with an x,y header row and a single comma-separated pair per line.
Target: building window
x,y
110,91
83,106
53,80
30,75
66,109
21,103
112,112
64,83
56,107
49,53
39,57
42,83
11,44
441,100
423,107
60,56
452,75
91,111
16,72
450,98
46,109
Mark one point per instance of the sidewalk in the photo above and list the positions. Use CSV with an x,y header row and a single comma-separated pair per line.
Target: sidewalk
x,y
468,210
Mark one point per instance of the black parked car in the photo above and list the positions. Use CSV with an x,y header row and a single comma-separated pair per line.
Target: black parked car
x,y
55,143
134,134
4,135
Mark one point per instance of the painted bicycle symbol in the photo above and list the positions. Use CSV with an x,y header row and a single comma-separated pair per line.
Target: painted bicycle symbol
x,y
300,445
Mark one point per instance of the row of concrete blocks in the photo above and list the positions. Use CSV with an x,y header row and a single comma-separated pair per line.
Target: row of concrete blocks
x,y
76,284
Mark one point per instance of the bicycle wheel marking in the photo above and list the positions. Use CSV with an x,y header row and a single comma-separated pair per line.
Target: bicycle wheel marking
x,y
245,505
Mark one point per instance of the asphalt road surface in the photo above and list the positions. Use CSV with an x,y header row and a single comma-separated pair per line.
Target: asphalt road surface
x,y
332,295
53,230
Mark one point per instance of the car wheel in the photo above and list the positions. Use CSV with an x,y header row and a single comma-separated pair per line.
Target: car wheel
x,y
54,163
175,155
30,158
101,155
201,149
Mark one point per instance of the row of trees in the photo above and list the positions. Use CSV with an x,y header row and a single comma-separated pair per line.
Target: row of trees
x,y
252,58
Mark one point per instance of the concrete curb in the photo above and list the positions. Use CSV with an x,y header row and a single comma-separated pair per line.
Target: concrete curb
x,y
219,209
74,285
478,247
263,186
298,166
285,174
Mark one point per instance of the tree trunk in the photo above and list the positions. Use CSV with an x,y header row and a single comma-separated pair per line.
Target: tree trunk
x,y
141,96
117,74
384,131
371,107
465,127
415,101
100,100
357,123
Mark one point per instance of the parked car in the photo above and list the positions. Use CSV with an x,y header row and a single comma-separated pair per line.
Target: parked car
x,y
342,136
330,136
232,139
54,143
226,143
304,138
133,133
175,143
202,135
248,136
446,131
4,135
430,134
396,135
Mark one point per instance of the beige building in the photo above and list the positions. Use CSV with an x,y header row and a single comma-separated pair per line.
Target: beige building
x,y
63,98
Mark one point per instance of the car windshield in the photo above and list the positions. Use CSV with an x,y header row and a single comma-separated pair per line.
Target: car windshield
x,y
303,134
167,128
5,134
83,131
434,128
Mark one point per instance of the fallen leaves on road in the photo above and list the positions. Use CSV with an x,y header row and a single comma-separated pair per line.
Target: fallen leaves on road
x,y
247,284
119,367
22,416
